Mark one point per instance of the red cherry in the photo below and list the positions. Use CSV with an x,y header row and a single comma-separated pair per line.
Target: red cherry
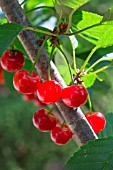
x,y
38,103
28,97
96,120
12,61
1,76
44,121
49,92
26,83
61,135
74,96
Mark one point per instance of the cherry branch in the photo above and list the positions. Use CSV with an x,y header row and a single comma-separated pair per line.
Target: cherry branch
x,y
74,117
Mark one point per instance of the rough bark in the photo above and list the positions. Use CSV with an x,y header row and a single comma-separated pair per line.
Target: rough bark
x,y
74,117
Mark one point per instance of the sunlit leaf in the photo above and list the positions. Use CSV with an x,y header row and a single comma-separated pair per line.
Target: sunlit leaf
x,y
31,4
81,20
100,35
66,7
89,80
75,4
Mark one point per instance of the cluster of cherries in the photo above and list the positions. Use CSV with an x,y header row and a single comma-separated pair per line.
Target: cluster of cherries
x,y
46,93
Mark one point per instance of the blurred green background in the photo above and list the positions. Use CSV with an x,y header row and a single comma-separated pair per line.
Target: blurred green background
x,y
22,146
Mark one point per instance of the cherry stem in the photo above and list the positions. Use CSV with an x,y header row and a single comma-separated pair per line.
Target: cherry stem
x,y
101,69
89,101
69,23
90,104
23,2
49,64
74,60
88,58
40,7
51,110
77,32
73,47
38,55
63,124
12,46
66,61
56,35
97,62
41,31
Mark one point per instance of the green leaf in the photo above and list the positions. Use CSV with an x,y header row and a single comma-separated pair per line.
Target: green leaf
x,y
62,67
42,28
28,64
105,37
81,20
65,8
79,62
19,46
101,76
75,4
9,80
89,80
84,46
63,11
33,3
95,155
108,15
108,131
8,33
99,35
67,45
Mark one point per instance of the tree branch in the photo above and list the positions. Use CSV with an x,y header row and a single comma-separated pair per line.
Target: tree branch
x,y
74,117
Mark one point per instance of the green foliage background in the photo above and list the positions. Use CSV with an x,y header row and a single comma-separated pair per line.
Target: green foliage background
x,y
22,147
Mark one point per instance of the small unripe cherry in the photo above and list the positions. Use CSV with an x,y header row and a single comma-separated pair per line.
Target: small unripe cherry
x,y
61,135
44,121
12,61
26,83
38,103
74,96
28,97
96,120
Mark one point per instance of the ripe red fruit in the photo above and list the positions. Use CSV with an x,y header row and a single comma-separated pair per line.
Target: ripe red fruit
x,y
12,61
61,135
38,103
28,97
26,83
96,120
44,121
1,76
49,92
74,96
